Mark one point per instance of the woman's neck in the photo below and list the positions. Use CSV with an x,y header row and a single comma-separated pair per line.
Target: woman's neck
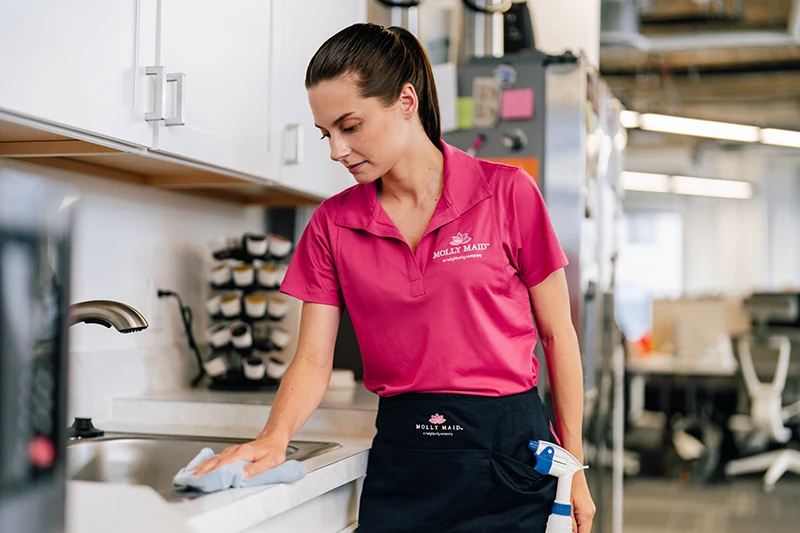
x,y
417,177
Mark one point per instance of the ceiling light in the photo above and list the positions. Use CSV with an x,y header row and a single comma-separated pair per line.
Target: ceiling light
x,y
741,190
645,182
663,183
699,128
781,137
629,119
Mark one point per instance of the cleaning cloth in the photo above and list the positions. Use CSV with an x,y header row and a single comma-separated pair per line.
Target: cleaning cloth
x,y
232,475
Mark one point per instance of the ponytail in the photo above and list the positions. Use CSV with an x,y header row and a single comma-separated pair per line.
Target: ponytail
x,y
383,59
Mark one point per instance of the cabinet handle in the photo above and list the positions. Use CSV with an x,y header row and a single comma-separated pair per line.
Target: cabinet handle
x,y
159,95
292,144
179,78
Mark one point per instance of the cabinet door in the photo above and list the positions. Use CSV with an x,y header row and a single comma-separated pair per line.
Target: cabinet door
x,y
303,157
80,64
222,51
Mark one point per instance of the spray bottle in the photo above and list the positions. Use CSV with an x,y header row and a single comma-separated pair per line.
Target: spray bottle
x,y
556,461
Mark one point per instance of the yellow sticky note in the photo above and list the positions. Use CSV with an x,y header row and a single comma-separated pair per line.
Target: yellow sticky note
x,y
466,113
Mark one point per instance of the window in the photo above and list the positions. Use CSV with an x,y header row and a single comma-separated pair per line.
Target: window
x,y
650,266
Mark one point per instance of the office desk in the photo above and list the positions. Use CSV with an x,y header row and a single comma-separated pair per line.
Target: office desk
x,y
694,370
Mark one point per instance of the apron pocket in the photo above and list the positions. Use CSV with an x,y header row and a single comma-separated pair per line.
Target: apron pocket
x,y
424,490
516,475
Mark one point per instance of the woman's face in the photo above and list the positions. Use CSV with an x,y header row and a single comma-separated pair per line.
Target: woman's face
x,y
364,134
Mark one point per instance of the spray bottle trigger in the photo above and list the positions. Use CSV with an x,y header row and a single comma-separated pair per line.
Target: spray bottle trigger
x,y
544,459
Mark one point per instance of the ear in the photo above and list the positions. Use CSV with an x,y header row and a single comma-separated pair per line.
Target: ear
x,y
409,101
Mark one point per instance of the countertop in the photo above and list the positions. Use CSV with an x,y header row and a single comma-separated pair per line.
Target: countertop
x,y
344,417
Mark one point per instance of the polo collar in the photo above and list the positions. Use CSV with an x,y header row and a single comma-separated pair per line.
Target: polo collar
x,y
465,185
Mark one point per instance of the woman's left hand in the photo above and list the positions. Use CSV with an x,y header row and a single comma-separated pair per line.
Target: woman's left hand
x,y
583,508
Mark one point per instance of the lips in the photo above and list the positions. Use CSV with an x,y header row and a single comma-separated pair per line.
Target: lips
x,y
355,168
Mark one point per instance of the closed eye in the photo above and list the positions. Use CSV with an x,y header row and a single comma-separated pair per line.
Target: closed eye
x,y
351,129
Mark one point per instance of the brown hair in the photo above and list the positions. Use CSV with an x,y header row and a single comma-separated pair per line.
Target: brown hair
x,y
383,59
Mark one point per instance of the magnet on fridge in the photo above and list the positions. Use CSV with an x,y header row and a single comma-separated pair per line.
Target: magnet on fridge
x,y
517,104
487,94
465,107
506,75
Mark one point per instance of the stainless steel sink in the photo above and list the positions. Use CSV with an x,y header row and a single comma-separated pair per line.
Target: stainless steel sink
x,y
154,459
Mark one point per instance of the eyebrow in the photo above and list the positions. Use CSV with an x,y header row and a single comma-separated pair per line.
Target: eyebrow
x,y
338,120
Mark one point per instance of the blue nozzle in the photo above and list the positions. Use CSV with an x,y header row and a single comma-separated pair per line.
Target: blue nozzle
x,y
544,460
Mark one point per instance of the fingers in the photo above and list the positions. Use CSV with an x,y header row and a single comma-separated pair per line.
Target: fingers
x,y
583,518
228,455
262,465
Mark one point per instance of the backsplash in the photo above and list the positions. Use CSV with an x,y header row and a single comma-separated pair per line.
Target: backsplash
x,y
129,241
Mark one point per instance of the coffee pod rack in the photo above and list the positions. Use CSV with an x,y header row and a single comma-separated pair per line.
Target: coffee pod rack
x,y
246,334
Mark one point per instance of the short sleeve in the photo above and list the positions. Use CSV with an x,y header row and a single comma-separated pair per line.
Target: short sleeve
x,y
533,245
311,275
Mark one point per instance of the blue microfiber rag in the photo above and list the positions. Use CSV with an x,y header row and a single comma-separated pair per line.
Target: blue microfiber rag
x,y
232,475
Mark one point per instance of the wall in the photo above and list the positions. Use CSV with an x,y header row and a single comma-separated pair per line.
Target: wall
x,y
731,246
128,241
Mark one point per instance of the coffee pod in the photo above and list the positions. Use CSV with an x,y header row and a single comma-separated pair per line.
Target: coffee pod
x,y
276,368
241,335
212,305
278,306
230,305
220,275
218,335
255,305
216,366
279,246
243,275
268,276
279,337
256,244
254,367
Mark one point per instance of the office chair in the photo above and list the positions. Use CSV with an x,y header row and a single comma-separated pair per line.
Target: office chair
x,y
767,417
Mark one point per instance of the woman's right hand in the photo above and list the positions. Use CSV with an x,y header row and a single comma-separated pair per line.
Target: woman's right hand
x,y
264,453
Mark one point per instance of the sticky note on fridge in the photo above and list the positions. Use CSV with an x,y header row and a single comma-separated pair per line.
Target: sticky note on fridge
x,y
517,104
466,113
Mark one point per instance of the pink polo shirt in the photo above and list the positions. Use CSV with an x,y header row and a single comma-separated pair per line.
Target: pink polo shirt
x,y
456,316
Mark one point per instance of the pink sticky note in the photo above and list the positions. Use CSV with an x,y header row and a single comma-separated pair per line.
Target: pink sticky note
x,y
517,104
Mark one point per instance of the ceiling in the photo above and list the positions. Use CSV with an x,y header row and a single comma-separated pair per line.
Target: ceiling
x,y
727,60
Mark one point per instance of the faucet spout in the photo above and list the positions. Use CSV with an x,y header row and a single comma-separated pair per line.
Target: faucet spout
x,y
108,313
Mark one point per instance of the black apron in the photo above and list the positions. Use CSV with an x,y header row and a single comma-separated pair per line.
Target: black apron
x,y
457,464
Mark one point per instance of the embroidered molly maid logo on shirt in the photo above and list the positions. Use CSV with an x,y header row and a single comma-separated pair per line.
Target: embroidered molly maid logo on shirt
x,y
437,427
462,247
461,238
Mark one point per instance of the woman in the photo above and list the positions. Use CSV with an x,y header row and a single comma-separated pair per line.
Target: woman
x,y
440,259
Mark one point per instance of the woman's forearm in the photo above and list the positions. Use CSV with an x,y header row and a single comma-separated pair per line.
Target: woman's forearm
x,y
566,386
299,394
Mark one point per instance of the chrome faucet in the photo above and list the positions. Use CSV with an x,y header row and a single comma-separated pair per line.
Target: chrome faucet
x,y
108,313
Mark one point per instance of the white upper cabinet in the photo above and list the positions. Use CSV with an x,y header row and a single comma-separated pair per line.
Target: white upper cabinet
x,y
210,82
80,64
304,162
217,82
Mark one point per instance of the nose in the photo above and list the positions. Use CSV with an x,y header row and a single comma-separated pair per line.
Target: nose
x,y
339,148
